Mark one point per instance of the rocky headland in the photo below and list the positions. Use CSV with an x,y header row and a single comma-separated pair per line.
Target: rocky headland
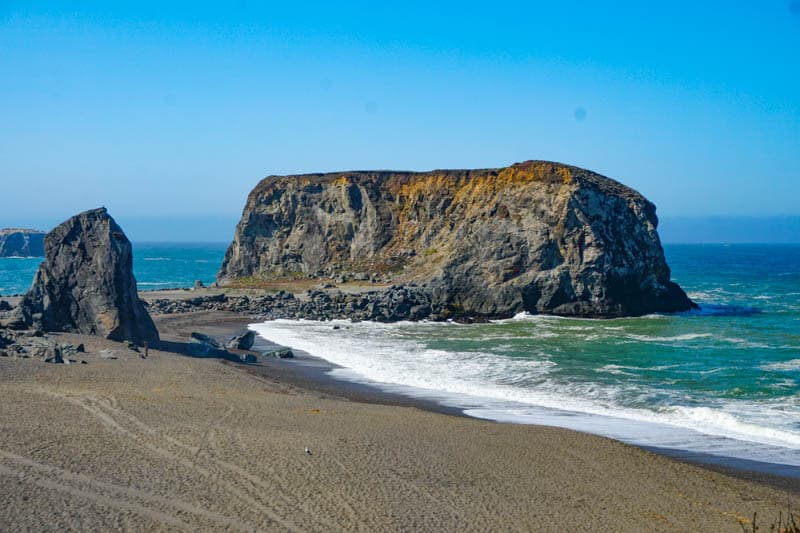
x,y
537,236
17,242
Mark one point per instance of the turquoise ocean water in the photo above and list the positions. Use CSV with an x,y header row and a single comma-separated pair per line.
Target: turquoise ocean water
x,y
155,265
724,380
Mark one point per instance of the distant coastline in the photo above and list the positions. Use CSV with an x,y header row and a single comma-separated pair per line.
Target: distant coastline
x,y
673,229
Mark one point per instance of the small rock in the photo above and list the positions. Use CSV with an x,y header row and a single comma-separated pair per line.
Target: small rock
x,y
107,354
242,342
206,340
131,346
198,285
68,349
280,353
54,356
246,358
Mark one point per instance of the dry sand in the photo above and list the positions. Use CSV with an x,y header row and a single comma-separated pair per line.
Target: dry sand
x,y
178,443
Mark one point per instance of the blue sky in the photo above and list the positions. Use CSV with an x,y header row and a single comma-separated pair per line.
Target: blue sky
x,y
178,111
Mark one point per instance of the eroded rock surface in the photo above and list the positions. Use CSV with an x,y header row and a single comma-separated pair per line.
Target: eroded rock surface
x,y
536,236
86,283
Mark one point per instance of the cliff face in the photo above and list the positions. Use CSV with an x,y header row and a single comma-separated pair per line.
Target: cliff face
x,y
16,242
86,283
536,236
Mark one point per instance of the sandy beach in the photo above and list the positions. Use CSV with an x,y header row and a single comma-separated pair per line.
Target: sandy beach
x,y
172,442
428,267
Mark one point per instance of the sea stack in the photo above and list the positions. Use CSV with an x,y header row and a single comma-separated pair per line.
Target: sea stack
x,y
86,283
17,242
537,236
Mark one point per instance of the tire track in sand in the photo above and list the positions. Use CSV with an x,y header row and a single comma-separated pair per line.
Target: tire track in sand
x,y
55,480
228,476
196,453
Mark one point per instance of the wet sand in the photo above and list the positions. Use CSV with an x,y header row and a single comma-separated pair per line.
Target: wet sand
x,y
173,442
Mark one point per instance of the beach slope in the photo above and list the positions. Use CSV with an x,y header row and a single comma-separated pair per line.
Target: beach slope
x,y
180,443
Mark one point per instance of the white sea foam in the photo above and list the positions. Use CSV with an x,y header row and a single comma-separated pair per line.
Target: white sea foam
x,y
782,366
555,319
617,369
510,389
156,259
743,343
675,338
662,367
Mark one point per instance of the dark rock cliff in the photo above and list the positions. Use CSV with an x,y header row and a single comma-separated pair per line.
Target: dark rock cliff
x,y
86,283
536,236
16,242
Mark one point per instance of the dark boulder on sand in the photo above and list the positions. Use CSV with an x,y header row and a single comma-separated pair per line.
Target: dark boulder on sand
x,y
86,283
209,347
242,342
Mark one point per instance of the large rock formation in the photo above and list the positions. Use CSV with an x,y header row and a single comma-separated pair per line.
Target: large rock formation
x,y
536,236
86,283
16,242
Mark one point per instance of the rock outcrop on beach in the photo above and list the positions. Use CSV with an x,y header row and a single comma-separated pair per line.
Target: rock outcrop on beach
x,y
16,242
536,236
86,283
384,305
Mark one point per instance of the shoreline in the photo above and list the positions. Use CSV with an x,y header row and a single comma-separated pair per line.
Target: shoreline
x,y
174,440
311,373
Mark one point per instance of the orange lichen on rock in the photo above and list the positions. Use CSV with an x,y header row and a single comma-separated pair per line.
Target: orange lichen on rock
x,y
535,236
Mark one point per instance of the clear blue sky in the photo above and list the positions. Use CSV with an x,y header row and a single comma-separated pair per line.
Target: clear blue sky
x,y
178,111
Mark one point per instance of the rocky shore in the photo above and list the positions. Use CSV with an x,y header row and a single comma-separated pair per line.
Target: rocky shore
x,y
325,302
392,304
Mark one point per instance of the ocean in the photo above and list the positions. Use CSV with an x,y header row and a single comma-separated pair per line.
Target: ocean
x,y
722,381
155,265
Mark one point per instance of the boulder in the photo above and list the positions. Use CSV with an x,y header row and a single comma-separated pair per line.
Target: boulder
x,y
206,340
242,342
279,353
209,347
86,283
